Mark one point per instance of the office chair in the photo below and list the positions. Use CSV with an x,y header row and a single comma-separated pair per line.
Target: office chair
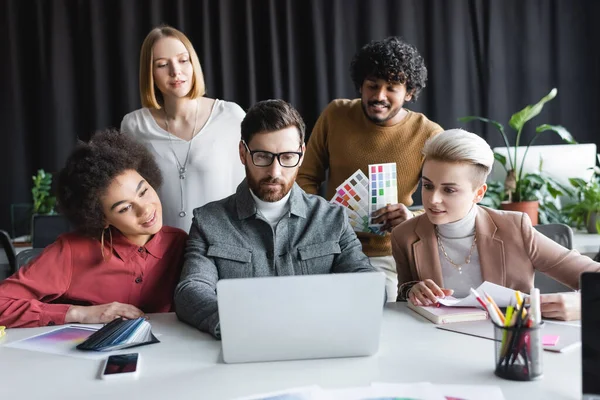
x,y
45,229
25,256
563,235
9,249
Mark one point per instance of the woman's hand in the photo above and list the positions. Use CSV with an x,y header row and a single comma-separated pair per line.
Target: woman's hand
x,y
563,306
426,293
102,314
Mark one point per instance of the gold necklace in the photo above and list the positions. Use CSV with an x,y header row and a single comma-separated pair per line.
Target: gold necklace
x,y
467,259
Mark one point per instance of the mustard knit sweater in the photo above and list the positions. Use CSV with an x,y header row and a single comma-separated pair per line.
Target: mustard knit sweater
x,y
344,140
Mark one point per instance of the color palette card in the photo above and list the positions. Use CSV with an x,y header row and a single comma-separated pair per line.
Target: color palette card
x,y
353,194
383,188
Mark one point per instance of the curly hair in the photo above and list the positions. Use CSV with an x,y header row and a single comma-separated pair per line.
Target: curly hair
x,y
390,59
90,170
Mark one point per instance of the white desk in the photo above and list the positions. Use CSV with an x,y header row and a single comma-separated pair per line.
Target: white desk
x,y
188,364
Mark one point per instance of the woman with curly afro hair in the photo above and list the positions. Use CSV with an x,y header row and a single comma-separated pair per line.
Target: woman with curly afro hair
x,y
119,262
374,129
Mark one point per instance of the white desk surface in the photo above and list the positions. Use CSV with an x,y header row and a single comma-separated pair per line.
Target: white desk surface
x,y
188,364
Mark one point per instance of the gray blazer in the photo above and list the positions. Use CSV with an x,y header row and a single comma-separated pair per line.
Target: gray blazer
x,y
230,239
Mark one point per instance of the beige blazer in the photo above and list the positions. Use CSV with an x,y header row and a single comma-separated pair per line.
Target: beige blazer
x,y
509,251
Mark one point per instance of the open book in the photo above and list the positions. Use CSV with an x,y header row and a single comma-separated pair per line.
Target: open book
x,y
120,334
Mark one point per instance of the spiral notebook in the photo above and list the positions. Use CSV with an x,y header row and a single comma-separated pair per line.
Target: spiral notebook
x,y
447,315
120,334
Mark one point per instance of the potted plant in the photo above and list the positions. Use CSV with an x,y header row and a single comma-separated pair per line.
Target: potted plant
x,y
585,209
539,186
521,190
43,202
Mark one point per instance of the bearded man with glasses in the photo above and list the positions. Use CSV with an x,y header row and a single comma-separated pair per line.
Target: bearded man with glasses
x,y
269,227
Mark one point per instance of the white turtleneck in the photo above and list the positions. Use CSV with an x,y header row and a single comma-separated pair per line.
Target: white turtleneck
x,y
457,238
272,211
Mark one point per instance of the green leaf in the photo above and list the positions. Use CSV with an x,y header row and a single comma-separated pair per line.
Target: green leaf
x,y
534,178
578,183
554,192
501,159
497,124
560,130
519,119
500,129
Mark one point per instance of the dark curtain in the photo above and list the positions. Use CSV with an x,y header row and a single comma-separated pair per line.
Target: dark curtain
x,y
71,67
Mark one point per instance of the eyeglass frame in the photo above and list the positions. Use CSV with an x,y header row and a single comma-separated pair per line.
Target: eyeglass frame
x,y
273,156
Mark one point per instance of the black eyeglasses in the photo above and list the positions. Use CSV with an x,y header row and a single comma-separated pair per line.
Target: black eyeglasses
x,y
287,159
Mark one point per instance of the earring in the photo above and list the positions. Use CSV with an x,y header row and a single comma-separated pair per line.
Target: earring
x,y
102,242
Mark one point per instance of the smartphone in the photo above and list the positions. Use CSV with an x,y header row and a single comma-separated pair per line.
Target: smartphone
x,y
122,366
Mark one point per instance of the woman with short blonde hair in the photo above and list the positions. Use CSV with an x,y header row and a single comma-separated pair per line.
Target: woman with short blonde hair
x,y
194,138
458,244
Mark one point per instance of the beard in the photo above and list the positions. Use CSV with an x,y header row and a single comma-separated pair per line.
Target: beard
x,y
379,120
270,194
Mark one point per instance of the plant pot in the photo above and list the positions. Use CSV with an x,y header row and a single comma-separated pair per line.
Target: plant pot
x,y
591,222
528,207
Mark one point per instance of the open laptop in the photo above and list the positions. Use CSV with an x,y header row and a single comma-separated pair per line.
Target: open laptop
x,y
590,333
300,317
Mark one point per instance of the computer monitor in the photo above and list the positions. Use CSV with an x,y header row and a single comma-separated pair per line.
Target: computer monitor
x,y
559,161
590,332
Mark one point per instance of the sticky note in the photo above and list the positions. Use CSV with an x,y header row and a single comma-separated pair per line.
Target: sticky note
x,y
550,340
2,332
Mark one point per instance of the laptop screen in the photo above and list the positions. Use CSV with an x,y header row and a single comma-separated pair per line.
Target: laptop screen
x,y
590,334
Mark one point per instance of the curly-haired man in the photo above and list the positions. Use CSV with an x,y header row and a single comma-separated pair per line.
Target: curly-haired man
x,y
374,129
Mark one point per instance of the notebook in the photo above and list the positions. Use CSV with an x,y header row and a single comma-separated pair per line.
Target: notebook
x,y
447,315
120,334
300,317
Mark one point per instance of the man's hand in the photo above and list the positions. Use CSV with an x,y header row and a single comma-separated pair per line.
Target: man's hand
x,y
391,216
563,306
102,314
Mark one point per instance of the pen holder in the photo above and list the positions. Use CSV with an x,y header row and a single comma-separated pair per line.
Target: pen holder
x,y
518,352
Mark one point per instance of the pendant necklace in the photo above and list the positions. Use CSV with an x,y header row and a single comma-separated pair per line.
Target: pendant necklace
x,y
182,168
447,257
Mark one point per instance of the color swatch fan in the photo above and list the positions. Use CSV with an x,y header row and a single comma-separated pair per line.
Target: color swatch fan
x,y
120,334
352,194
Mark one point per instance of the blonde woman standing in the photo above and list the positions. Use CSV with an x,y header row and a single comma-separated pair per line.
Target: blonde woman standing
x,y
193,138
457,244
